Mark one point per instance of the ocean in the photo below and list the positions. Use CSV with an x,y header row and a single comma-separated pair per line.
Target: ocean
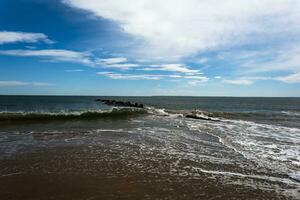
x,y
73,147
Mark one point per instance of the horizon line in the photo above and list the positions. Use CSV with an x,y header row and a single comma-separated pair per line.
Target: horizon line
x,y
76,95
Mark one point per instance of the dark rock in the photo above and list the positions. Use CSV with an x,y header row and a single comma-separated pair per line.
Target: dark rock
x,y
120,103
192,116
200,115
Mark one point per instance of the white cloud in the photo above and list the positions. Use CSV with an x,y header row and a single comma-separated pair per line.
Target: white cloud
x,y
117,62
293,78
179,28
198,78
172,30
12,83
109,61
286,59
41,84
72,56
201,60
174,76
113,75
194,83
278,58
239,82
12,37
61,55
52,54
248,80
22,83
260,78
121,66
74,70
192,80
171,67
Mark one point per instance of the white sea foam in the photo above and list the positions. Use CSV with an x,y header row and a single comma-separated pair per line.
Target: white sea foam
x,y
273,147
291,113
291,191
261,177
157,111
109,130
295,176
13,174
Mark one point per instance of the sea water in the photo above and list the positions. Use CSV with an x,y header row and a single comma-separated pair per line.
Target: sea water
x,y
65,147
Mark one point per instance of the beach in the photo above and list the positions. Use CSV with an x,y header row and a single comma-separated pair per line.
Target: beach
x,y
55,147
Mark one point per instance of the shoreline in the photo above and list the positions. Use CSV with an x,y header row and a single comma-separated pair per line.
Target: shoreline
x,y
110,176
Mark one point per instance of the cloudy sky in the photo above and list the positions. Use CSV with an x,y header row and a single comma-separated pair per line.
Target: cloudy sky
x,y
150,47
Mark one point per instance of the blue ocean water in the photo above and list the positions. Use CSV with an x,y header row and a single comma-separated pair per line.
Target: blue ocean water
x,y
283,111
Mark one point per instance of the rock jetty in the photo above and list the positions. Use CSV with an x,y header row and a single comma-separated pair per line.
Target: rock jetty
x,y
120,103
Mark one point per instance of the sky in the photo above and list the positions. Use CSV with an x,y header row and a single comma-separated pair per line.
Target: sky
x,y
150,47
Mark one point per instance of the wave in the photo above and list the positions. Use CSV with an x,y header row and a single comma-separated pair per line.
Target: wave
x,y
118,112
84,115
258,115
202,114
206,114
291,113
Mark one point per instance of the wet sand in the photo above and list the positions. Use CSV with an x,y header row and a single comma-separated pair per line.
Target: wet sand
x,y
98,173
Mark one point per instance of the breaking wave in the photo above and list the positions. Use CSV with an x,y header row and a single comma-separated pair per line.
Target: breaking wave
x,y
84,115
117,112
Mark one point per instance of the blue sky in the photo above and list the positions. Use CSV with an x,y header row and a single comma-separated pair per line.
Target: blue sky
x,y
150,47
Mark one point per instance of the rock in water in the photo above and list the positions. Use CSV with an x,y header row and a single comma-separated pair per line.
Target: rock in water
x,y
120,103
200,115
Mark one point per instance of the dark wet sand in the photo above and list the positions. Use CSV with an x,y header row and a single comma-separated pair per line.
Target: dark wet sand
x,y
97,173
